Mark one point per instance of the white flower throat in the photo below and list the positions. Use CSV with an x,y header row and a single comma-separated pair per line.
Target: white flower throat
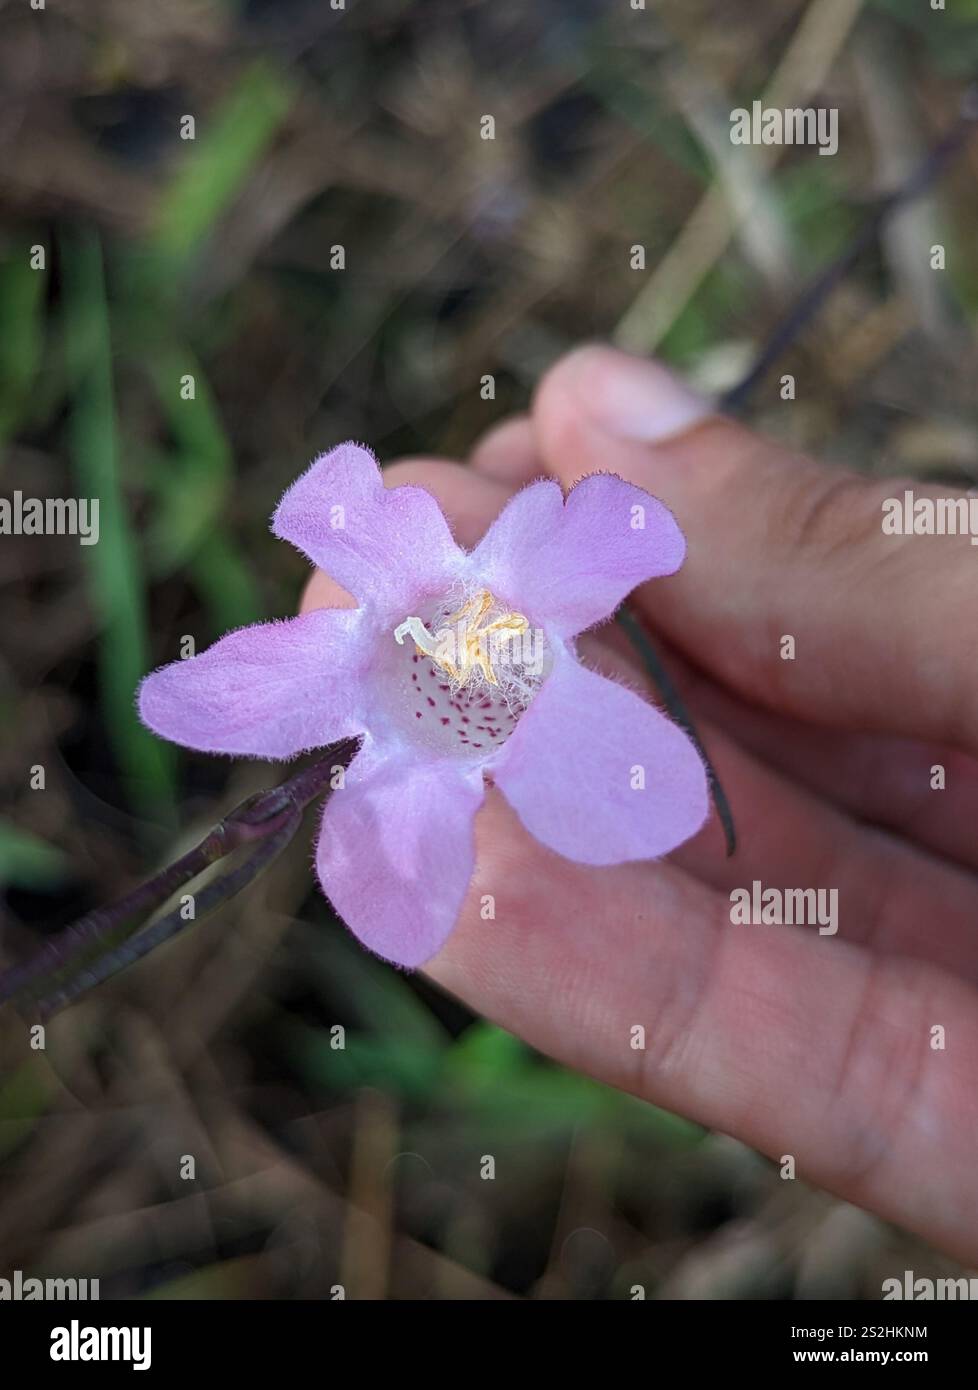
x,y
474,668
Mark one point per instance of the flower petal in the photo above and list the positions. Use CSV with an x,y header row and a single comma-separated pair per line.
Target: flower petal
x,y
569,771
384,545
268,691
570,563
397,849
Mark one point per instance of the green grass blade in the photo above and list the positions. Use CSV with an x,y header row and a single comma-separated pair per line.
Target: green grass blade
x,y
225,583
219,160
26,861
193,485
21,335
145,763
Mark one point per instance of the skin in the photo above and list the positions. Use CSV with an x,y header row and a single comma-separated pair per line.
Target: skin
x,y
796,1043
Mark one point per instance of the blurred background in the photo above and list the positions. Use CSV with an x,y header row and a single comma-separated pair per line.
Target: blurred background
x,y
317,128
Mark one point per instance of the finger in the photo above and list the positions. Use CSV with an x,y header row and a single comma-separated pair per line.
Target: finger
x,y
861,883
508,452
778,547
866,886
926,792
795,1044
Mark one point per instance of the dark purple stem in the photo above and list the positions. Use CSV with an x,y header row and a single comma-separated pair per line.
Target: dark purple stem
x,y
165,928
270,818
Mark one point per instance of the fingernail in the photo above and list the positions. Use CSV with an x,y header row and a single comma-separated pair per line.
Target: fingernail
x,y
638,399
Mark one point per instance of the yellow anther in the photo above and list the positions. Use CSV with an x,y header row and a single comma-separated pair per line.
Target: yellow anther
x,y
470,648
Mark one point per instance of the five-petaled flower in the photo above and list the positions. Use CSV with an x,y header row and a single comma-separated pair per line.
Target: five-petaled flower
x,y
457,669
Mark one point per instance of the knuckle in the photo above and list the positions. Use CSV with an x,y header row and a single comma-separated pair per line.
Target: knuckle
x,y
823,512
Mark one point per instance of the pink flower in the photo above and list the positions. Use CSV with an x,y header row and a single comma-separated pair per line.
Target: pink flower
x,y
457,668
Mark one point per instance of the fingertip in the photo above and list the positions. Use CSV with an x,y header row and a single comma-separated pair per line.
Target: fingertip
x,y
638,399
323,592
508,452
599,409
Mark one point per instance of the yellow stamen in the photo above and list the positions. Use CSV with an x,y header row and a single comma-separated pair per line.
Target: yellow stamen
x,y
473,638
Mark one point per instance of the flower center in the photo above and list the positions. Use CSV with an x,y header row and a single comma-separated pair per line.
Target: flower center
x,y
469,641
463,673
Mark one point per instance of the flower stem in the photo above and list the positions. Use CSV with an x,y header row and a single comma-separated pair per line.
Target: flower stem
x,y
108,939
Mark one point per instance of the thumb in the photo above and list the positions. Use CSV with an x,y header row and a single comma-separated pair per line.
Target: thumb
x,y
779,547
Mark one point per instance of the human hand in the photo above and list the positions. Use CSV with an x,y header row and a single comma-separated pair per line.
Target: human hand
x,y
818,1046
